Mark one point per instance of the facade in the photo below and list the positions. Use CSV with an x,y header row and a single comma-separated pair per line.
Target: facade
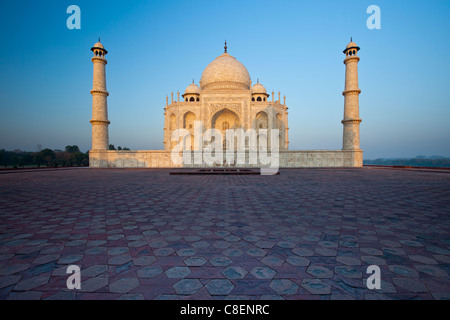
x,y
225,99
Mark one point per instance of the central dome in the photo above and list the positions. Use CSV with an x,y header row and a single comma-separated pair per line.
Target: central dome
x,y
225,73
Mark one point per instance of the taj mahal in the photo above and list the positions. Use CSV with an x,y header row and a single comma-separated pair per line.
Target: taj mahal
x,y
225,98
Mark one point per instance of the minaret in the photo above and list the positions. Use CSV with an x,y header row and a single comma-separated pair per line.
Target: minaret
x,y
351,98
100,123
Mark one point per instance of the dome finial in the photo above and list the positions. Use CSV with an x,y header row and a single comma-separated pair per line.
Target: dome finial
x,y
192,80
257,80
351,39
225,46
98,39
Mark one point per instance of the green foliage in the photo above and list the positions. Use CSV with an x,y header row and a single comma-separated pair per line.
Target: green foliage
x,y
72,156
72,149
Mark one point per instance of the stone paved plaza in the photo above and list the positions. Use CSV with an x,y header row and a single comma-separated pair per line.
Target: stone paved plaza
x,y
304,234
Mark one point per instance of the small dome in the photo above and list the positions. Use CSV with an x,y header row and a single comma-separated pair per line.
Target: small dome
x,y
258,88
352,45
225,72
192,89
99,45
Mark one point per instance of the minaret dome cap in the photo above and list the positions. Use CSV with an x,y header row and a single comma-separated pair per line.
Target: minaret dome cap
x,y
99,45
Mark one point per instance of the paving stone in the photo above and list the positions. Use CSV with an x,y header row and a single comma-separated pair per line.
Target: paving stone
x,y
235,273
232,238
28,295
328,244
12,269
96,243
247,227
186,252
326,252
132,296
257,252
272,261
116,251
411,243
373,260
187,286
200,244
46,259
298,261
348,271
76,243
177,272
119,260
438,250
158,244
233,252
341,297
263,272
284,286
349,261
423,259
167,297
237,297
6,281
96,250
371,251
70,259
394,251
270,297
316,286
441,295
31,283
285,244
144,260
93,284
303,252
137,244
320,272
163,252
265,244
220,261
63,295
404,271
195,261
431,270
149,272
94,271
410,284
219,287
124,285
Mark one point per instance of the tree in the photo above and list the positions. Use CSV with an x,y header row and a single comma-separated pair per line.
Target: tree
x,y
48,155
111,147
119,148
2,156
72,149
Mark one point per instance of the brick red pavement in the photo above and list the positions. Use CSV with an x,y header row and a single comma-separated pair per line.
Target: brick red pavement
x,y
145,234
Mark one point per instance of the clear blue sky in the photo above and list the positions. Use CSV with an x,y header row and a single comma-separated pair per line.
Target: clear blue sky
x,y
156,47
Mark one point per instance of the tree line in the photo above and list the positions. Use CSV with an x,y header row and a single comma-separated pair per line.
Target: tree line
x,y
71,156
